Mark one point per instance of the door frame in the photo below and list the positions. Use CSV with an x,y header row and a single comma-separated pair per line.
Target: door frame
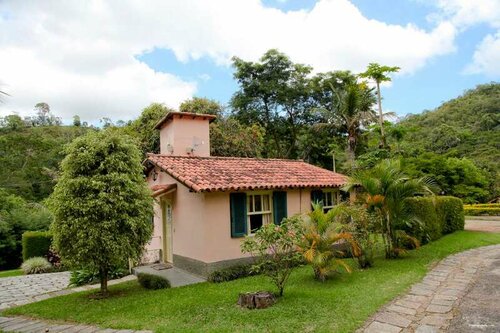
x,y
167,221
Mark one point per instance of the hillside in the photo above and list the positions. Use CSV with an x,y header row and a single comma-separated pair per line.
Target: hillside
x,y
467,126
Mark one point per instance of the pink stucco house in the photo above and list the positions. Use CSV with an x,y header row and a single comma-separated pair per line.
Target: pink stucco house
x,y
206,204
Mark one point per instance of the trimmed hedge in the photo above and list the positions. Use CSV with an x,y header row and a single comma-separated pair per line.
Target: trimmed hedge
x,y
231,273
438,216
36,244
492,209
150,281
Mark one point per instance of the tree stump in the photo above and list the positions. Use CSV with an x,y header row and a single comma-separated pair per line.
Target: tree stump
x,y
256,300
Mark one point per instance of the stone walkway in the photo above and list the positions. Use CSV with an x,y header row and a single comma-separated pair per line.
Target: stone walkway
x,y
483,223
19,290
431,304
25,325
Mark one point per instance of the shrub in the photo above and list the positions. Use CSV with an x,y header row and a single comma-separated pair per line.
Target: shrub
x,y
36,265
231,273
88,276
150,281
36,244
492,209
273,248
452,210
437,216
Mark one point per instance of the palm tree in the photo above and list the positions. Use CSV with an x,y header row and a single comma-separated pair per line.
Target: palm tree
x,y
384,189
320,233
351,110
378,74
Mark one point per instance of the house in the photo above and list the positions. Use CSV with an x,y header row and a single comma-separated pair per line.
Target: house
x,y
205,204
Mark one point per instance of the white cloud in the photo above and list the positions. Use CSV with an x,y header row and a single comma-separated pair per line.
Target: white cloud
x,y
465,13
80,57
486,59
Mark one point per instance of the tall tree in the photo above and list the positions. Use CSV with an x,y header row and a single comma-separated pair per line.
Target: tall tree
x,y
101,204
275,92
350,110
378,73
202,105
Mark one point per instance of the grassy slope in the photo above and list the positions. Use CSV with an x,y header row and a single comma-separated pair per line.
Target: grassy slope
x,y
340,305
13,272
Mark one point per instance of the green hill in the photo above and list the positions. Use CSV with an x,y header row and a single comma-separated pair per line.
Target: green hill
x,y
465,127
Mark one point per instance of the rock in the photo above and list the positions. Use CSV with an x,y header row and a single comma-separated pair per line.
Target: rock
x,y
256,300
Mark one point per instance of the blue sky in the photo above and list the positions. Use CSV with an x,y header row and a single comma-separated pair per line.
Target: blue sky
x,y
112,58
441,79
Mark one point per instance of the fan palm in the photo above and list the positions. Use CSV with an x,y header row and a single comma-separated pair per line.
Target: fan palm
x,y
385,188
320,234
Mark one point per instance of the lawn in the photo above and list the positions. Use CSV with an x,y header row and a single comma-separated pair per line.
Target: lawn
x,y
341,304
13,272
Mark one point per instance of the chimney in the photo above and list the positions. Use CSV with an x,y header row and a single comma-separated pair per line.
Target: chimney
x,y
185,134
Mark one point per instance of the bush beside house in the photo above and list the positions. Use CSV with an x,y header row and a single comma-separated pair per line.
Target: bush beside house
x,y
437,216
36,244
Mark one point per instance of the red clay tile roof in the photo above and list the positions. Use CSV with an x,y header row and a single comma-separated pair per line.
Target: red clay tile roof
x,y
189,115
211,174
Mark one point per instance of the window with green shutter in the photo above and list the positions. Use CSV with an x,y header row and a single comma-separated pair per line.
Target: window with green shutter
x,y
238,204
279,207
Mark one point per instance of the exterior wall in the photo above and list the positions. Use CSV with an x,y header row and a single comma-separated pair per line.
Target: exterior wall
x,y
178,134
187,220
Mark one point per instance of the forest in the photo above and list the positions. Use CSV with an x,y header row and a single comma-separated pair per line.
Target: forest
x,y
281,109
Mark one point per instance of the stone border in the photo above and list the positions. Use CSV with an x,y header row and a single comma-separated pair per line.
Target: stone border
x,y
429,305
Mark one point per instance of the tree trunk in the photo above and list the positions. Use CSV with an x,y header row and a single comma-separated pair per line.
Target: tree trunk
x,y
351,148
103,275
380,118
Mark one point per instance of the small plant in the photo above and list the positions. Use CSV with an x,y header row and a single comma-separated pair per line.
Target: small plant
x,y
36,265
356,220
88,276
274,250
150,281
231,273
318,241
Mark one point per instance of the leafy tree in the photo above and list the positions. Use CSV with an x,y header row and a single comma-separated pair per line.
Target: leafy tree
x,y
230,138
44,117
378,73
16,217
76,121
202,105
274,92
101,204
384,189
320,233
12,122
273,248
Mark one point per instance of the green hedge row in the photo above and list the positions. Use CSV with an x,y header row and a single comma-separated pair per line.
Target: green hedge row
x,y
492,209
36,244
437,216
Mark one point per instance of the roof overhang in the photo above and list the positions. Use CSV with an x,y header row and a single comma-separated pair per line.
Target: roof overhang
x,y
163,189
187,115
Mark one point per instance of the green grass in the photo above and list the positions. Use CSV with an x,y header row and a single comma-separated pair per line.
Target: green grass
x,y
339,305
13,272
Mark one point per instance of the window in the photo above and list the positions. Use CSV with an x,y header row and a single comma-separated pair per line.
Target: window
x,y
329,200
259,211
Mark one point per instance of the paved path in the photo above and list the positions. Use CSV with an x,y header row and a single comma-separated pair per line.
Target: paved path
x,y
444,295
20,324
176,276
18,290
483,223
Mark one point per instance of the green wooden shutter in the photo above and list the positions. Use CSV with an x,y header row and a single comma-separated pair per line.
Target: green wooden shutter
x,y
238,203
279,207
317,197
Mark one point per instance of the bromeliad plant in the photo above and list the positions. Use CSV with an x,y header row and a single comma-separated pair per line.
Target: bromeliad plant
x,y
274,250
384,190
319,240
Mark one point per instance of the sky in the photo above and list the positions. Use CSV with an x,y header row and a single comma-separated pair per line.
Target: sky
x,y
113,58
